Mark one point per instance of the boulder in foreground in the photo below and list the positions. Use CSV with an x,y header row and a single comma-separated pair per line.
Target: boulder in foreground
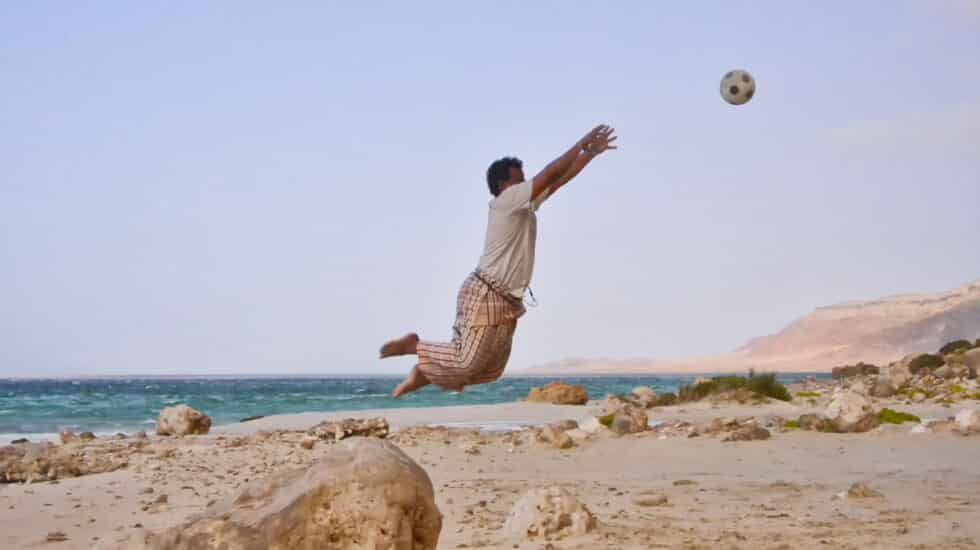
x,y
364,494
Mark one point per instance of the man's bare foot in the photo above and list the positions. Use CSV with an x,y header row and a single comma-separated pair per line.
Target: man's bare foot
x,y
402,346
414,381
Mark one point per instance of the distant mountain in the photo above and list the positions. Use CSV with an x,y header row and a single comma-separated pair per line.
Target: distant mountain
x,y
875,331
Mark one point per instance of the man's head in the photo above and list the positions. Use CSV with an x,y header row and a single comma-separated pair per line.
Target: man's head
x,y
503,173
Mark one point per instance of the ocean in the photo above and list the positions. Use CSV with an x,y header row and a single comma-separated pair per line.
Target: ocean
x,y
37,409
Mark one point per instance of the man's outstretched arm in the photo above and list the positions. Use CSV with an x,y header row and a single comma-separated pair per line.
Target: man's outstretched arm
x,y
600,143
551,173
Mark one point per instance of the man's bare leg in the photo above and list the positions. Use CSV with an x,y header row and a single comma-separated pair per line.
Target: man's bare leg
x,y
406,345
414,381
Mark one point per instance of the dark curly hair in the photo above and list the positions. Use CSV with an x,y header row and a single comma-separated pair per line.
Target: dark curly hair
x,y
499,172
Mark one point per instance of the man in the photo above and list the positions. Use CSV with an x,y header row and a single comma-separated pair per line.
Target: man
x,y
492,297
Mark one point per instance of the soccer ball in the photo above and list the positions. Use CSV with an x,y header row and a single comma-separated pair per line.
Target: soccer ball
x,y
737,87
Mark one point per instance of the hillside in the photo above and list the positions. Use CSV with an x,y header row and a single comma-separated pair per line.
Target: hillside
x,y
874,331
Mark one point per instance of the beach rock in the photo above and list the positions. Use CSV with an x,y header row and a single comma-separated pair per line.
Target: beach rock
x,y
590,425
969,359
628,419
67,436
860,490
750,432
645,395
918,397
944,372
815,422
364,494
651,500
967,422
883,387
551,513
182,420
559,393
899,372
251,418
861,369
351,427
850,411
556,438
565,425
48,462
86,436
20,441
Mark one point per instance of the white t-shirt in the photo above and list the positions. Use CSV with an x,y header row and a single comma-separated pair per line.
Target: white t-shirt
x,y
512,229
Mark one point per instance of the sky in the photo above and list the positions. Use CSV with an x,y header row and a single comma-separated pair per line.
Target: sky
x,y
244,188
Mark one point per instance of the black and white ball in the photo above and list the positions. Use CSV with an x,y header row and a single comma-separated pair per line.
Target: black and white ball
x,y
737,87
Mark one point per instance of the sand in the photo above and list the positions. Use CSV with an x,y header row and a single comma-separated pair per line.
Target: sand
x,y
778,493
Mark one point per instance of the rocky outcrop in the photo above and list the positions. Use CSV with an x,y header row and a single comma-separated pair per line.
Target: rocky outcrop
x,y
364,494
849,411
624,418
47,462
551,513
645,396
815,422
559,393
351,427
750,432
182,420
861,369
967,422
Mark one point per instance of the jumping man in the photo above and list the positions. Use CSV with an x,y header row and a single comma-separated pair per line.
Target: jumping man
x,y
492,297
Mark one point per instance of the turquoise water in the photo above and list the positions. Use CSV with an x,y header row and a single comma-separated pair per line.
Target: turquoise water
x,y
38,408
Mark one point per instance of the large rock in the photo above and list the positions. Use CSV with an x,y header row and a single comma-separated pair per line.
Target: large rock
x,y
645,395
815,422
559,393
750,432
351,427
182,420
969,358
861,369
46,462
944,372
967,422
883,387
899,372
850,411
364,494
550,513
625,418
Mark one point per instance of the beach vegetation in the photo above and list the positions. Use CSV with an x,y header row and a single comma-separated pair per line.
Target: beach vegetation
x,y
926,361
889,416
955,346
759,385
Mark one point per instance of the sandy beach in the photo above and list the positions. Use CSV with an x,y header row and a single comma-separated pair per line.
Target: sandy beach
x,y
655,489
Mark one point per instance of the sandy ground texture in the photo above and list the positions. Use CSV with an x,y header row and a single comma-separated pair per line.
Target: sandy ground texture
x,y
656,489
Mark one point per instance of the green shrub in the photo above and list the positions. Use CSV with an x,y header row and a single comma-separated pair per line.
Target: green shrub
x,y
956,388
665,400
926,361
792,425
888,416
606,420
807,394
811,402
977,343
955,346
764,385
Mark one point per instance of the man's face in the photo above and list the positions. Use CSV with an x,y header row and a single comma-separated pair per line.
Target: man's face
x,y
516,175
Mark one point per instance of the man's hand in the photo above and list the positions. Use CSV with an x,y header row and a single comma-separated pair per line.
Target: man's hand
x,y
600,140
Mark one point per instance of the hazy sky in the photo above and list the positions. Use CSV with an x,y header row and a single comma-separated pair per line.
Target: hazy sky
x,y
226,187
